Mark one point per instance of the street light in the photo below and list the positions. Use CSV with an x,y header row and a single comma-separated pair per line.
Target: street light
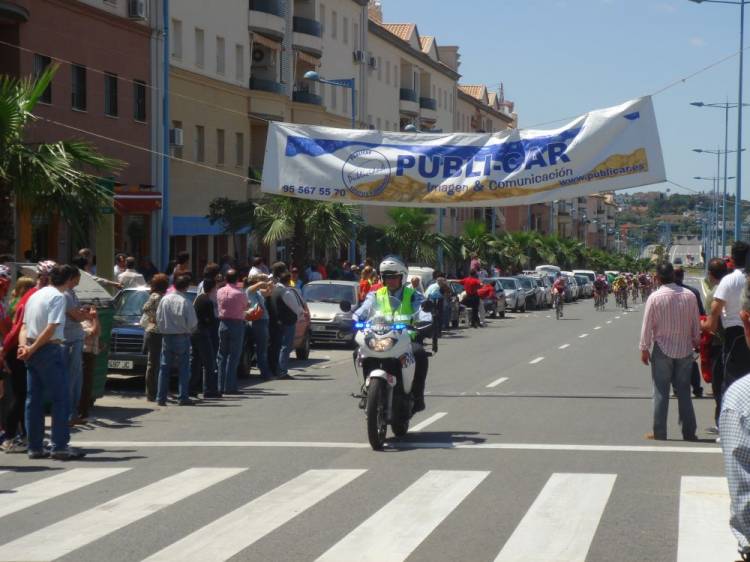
x,y
738,194
344,83
712,212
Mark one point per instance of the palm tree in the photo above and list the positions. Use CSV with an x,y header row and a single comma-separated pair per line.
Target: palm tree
x,y
308,224
46,178
475,240
411,237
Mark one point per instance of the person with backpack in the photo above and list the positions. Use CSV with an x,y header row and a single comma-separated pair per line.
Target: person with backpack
x,y
284,309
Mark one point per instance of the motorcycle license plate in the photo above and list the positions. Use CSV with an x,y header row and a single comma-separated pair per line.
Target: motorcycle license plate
x,y
116,364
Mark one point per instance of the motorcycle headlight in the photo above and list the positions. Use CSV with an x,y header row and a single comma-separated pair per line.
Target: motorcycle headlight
x,y
380,344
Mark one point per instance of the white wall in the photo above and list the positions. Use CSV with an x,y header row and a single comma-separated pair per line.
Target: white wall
x,y
383,104
227,19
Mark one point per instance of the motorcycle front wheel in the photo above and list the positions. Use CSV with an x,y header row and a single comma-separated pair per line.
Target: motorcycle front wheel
x,y
376,424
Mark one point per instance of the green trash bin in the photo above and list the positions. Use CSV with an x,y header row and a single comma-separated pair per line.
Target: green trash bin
x,y
89,292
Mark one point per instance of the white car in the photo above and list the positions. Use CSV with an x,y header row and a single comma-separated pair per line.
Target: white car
x,y
327,322
515,296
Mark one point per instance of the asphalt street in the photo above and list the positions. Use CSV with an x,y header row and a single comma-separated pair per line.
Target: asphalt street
x,y
531,449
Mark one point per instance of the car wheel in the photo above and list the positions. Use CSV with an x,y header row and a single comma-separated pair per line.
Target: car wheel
x,y
303,353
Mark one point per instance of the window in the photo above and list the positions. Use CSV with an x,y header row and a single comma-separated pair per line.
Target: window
x,y
378,123
199,47
387,125
110,94
177,150
199,149
239,146
355,36
322,19
78,87
40,64
387,72
434,96
239,63
139,100
395,75
220,56
177,39
345,30
220,147
334,23
380,69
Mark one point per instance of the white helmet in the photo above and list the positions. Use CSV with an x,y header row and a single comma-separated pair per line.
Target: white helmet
x,y
391,266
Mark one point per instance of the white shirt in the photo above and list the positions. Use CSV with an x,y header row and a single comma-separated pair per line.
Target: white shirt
x,y
730,291
131,278
175,315
46,306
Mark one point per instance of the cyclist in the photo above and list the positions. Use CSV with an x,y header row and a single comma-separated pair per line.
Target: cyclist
x,y
558,290
600,291
620,288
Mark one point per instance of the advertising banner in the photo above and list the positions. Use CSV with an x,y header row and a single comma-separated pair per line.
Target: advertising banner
x,y
606,149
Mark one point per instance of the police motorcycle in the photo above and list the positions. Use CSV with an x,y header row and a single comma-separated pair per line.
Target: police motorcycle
x,y
385,364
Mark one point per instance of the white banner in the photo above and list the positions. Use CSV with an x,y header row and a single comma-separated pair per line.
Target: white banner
x,y
606,149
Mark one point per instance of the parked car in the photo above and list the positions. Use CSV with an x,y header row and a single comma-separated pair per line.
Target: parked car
x,y
587,272
496,306
515,294
586,286
459,312
533,293
327,322
424,274
572,285
543,282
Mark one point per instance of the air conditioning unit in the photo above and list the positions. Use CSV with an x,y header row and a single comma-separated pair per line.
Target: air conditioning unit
x,y
137,9
359,56
176,137
373,63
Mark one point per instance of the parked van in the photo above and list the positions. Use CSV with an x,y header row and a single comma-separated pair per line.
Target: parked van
x,y
551,270
587,272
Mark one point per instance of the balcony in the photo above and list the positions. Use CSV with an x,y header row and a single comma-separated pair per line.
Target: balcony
x,y
301,96
408,101
266,85
428,109
266,17
307,36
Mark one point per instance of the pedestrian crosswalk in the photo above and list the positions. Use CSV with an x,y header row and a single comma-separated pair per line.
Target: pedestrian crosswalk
x,y
560,522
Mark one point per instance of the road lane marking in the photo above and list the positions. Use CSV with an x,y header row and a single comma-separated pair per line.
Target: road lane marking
x,y
583,335
393,532
566,513
617,317
497,382
564,346
597,327
609,321
48,488
535,361
109,445
235,531
428,421
703,530
63,537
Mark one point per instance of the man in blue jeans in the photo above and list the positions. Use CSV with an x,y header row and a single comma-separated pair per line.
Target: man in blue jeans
x,y
176,321
287,305
232,304
41,346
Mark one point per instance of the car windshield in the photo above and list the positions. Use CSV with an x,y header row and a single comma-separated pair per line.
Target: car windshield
x,y
508,284
332,293
525,282
130,303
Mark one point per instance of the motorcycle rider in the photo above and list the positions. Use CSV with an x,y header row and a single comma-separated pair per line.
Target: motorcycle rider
x,y
394,273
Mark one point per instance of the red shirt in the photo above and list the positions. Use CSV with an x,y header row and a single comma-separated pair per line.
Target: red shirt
x,y
486,292
471,285
11,338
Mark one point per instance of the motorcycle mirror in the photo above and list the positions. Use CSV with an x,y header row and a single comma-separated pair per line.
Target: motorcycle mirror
x,y
345,306
428,306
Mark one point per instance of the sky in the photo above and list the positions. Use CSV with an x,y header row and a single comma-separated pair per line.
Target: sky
x,y
561,58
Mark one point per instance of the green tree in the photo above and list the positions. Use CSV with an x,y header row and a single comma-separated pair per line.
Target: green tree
x,y
306,224
46,178
411,236
234,216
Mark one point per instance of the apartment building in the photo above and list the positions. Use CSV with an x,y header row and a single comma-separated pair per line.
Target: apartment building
x,y
209,74
101,91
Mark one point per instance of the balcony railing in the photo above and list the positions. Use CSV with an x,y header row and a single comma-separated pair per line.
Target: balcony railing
x,y
266,85
307,97
272,7
428,103
408,95
306,26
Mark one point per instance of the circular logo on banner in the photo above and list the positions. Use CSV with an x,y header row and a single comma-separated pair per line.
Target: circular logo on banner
x,y
366,173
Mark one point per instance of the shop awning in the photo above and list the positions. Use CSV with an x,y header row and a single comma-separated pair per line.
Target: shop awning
x,y
198,226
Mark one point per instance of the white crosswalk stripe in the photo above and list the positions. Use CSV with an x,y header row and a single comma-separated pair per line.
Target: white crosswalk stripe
x,y
400,526
562,521
237,530
567,512
48,488
704,521
79,530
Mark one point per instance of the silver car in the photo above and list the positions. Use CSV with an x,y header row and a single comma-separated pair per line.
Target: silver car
x,y
515,295
327,322
533,293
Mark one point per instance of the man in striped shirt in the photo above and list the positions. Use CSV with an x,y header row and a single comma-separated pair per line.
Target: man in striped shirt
x,y
671,326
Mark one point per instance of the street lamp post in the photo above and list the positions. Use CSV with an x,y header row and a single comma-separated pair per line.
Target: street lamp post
x,y
343,83
738,192
712,214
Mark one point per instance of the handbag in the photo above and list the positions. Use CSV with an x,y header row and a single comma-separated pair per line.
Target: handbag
x,y
255,313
